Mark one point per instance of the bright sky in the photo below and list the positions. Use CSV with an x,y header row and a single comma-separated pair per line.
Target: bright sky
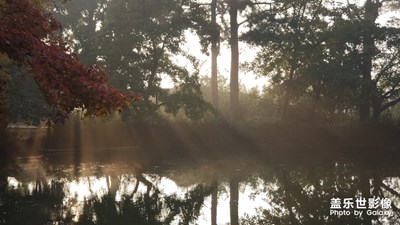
x,y
193,46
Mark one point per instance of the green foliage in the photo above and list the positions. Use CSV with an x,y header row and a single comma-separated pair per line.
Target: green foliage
x,y
291,36
138,42
315,52
255,106
27,103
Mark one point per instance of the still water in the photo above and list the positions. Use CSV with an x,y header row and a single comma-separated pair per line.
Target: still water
x,y
42,190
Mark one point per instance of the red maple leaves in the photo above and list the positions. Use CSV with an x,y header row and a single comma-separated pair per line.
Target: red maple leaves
x,y
29,37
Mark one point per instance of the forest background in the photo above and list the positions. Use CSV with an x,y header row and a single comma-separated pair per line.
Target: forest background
x,y
326,62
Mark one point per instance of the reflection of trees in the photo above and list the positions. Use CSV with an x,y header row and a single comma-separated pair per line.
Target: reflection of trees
x,y
43,206
302,196
149,207
299,195
146,208
36,201
234,199
114,181
214,201
235,178
388,188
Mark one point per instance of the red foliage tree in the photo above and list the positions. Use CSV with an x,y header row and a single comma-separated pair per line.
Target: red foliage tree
x,y
29,37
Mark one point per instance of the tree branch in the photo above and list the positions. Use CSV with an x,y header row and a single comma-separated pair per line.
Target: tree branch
x,y
244,21
390,190
390,93
389,65
390,104
392,90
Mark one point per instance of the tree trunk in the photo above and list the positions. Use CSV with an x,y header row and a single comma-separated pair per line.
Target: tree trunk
x,y
370,16
288,94
376,113
214,55
234,80
234,200
3,99
313,117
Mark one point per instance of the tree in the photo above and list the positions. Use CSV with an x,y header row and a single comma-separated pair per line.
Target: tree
x,y
4,77
215,39
371,13
290,37
381,74
234,43
235,7
375,55
80,21
28,37
26,102
336,57
138,43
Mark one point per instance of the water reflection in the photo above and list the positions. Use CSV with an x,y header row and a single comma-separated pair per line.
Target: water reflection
x,y
35,191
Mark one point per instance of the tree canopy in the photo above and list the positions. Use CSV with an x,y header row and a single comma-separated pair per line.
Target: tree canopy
x,y
327,61
337,59
29,37
140,43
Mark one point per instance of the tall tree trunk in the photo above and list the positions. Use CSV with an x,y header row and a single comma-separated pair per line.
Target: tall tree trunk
x,y
234,42
317,97
376,113
288,94
3,98
370,16
214,54
234,200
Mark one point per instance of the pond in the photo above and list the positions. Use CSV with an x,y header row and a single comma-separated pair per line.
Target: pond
x,y
48,189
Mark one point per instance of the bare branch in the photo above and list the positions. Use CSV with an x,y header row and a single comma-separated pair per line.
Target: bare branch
x,y
392,91
244,21
390,104
389,65
390,190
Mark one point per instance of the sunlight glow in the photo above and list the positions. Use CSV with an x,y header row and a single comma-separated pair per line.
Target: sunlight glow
x,y
247,205
12,182
168,186
247,54
87,187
